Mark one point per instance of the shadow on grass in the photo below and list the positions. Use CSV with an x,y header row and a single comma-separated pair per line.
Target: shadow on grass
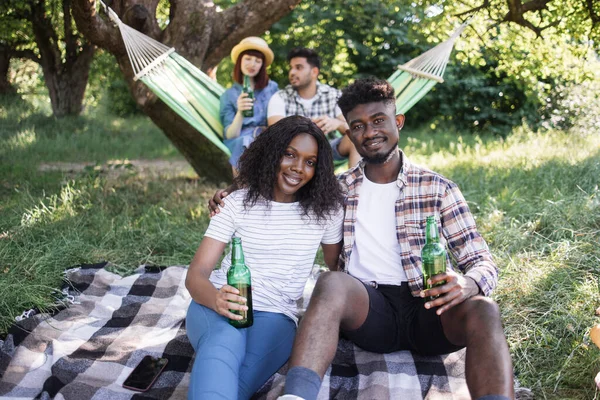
x,y
127,221
546,240
519,189
547,324
31,137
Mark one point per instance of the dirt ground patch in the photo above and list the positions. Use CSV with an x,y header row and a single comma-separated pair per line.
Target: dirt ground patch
x,y
118,167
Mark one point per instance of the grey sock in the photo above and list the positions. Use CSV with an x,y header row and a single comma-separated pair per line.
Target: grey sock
x,y
302,382
493,397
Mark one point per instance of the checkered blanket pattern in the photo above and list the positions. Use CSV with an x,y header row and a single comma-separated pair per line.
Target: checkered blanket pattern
x,y
86,350
359,374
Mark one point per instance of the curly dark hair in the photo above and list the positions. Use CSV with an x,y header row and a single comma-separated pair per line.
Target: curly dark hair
x,y
312,57
260,163
363,91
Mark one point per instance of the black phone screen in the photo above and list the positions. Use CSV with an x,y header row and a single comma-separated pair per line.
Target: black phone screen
x,y
146,372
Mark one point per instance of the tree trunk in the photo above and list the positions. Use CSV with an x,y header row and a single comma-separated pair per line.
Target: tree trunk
x,y
200,33
5,85
205,158
65,63
67,84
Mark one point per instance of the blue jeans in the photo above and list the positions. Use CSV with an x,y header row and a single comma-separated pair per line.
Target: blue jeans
x,y
234,363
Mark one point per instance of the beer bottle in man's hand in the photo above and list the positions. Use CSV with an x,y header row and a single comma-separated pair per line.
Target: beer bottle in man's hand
x,y
238,276
433,255
248,90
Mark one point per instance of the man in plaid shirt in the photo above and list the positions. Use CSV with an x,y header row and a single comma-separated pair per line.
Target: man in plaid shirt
x,y
377,299
307,97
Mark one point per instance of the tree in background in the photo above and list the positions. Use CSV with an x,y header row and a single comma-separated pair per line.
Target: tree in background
x,y
203,33
512,59
5,56
64,55
580,19
502,71
15,42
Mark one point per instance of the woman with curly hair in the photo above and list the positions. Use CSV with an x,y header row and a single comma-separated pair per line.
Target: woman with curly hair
x,y
251,57
289,203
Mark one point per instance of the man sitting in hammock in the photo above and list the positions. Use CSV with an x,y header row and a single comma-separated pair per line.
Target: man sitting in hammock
x,y
307,97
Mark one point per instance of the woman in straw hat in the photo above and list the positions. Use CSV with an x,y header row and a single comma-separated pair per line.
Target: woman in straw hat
x,y
251,57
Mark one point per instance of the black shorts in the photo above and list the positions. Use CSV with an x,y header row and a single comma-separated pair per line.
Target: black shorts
x,y
399,321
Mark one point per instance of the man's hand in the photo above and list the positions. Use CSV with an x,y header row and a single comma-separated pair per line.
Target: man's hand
x,y
328,124
228,299
457,289
216,202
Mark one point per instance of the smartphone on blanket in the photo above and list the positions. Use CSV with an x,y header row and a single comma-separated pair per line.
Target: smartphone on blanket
x,y
145,373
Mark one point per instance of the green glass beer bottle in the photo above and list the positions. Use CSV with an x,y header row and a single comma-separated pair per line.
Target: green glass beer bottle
x,y
433,255
238,276
248,90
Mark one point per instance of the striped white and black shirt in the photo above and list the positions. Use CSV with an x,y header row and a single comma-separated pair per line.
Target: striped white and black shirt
x,y
279,246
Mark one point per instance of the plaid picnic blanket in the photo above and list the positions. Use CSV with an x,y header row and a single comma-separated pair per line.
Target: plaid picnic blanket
x,y
86,350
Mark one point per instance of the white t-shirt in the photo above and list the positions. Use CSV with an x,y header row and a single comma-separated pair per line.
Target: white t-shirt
x,y
279,247
277,105
376,252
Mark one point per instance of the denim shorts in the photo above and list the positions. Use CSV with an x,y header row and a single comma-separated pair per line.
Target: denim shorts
x,y
334,143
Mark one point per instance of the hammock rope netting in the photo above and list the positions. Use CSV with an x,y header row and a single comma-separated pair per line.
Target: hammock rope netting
x,y
194,96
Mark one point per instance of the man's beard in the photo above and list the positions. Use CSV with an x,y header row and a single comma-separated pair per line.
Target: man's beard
x,y
300,85
381,158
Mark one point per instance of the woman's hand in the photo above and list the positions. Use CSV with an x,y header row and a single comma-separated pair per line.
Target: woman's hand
x,y
228,299
244,103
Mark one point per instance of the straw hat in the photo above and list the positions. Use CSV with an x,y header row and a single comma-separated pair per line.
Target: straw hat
x,y
253,43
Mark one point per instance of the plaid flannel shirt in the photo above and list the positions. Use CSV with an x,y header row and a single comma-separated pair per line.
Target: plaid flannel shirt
x,y
324,104
423,193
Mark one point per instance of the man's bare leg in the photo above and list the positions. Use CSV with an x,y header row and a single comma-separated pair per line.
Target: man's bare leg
x,y
338,301
476,324
342,301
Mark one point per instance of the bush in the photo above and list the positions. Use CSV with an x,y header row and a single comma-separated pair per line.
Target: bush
x,y
107,87
476,99
118,100
574,106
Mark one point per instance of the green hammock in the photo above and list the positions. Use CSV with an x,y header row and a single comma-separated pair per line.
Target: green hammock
x,y
195,97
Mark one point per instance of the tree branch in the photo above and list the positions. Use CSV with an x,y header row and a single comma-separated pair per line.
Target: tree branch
x,y
534,5
70,37
45,36
473,10
141,15
516,11
248,18
594,17
99,31
28,54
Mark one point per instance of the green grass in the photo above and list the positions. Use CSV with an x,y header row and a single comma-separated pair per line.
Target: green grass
x,y
50,221
537,202
535,197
